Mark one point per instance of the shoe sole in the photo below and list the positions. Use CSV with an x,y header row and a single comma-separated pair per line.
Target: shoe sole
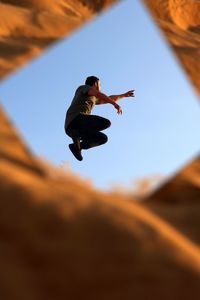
x,y
76,154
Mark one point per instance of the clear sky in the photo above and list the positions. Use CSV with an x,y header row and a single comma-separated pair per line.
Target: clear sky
x,y
159,129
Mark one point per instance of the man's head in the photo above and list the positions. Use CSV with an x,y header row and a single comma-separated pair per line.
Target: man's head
x,y
93,81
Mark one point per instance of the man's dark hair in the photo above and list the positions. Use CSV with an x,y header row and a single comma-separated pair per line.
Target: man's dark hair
x,y
91,80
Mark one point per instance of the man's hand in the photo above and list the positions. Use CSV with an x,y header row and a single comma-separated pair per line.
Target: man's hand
x,y
130,93
118,108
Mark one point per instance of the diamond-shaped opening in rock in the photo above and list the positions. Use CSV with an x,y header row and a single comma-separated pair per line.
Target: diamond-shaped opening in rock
x,y
158,131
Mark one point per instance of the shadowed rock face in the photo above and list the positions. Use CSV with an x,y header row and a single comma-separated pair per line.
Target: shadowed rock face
x,y
62,239
178,201
159,8
13,149
183,188
28,27
97,5
179,21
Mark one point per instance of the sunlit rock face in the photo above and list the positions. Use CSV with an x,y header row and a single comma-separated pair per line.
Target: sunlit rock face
x,y
62,239
185,13
36,4
179,21
29,27
58,5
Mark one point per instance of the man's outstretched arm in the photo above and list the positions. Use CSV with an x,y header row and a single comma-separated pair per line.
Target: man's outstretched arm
x,y
130,93
115,98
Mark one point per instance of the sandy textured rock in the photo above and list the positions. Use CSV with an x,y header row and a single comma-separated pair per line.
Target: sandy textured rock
x,y
27,28
159,8
185,13
179,22
178,200
182,188
58,5
61,239
47,22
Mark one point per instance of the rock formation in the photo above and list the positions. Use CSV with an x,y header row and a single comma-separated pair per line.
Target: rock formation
x,y
178,200
179,21
27,28
185,13
59,237
62,239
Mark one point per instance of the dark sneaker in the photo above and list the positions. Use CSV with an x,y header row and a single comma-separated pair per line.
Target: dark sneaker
x,y
76,151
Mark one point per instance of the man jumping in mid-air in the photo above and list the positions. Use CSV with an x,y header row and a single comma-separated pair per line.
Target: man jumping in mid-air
x,y
84,128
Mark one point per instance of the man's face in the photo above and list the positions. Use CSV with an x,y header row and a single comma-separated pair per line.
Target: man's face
x,y
98,85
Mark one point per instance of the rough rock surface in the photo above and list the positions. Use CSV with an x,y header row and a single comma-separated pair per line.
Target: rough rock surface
x,y
179,21
61,239
178,200
28,27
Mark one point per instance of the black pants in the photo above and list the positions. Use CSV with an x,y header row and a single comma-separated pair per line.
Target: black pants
x,y
89,127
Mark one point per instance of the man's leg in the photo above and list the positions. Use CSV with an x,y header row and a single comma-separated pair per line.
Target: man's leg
x,y
93,139
90,127
87,127
73,132
93,123
85,123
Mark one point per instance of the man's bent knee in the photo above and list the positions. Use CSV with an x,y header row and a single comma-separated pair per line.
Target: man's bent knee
x,y
107,123
104,139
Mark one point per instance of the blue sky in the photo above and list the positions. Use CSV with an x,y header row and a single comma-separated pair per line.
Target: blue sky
x,y
159,129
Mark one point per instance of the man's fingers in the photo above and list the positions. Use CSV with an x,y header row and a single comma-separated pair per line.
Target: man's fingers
x,y
118,108
130,93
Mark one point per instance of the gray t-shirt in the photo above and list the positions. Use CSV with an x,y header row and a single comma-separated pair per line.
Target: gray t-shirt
x,y
82,103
